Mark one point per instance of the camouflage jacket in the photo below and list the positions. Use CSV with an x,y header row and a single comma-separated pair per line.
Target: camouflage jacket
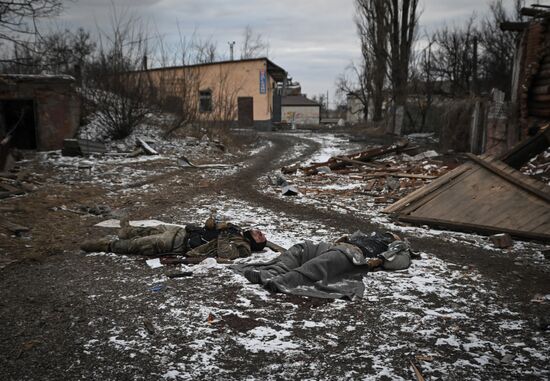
x,y
227,245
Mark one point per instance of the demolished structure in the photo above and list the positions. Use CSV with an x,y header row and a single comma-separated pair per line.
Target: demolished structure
x,y
37,112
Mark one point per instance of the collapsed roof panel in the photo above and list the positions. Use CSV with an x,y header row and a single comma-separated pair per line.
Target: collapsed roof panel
x,y
484,195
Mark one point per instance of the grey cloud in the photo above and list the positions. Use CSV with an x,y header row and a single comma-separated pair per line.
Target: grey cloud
x,y
313,39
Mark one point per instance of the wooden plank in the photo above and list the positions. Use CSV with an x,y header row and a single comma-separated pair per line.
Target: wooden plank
x,y
422,192
543,74
538,81
468,200
513,26
539,105
519,213
544,226
532,12
536,218
539,113
522,181
467,227
146,147
398,174
444,189
526,149
531,181
541,98
356,162
540,89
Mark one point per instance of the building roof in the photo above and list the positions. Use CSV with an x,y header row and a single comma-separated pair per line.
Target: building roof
x,y
275,71
298,100
36,78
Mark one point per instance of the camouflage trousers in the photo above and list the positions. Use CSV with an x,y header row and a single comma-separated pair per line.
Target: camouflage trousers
x,y
150,240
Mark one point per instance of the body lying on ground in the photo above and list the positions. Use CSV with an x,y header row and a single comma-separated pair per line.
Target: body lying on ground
x,y
329,270
223,240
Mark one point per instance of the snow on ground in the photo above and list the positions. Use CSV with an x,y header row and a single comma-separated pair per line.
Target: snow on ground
x,y
347,194
214,325
118,169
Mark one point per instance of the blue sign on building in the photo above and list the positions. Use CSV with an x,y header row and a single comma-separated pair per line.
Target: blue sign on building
x,y
263,81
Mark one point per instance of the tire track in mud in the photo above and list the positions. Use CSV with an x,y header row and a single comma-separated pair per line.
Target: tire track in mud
x,y
495,265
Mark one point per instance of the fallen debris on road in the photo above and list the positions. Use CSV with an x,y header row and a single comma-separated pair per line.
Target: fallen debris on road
x,y
484,196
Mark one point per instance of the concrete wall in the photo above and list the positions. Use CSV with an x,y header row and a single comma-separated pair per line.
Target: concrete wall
x,y
57,107
301,114
227,80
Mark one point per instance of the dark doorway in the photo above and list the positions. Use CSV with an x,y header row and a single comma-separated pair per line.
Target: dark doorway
x,y
20,123
246,111
276,106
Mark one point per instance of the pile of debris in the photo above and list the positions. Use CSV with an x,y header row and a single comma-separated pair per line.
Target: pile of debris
x,y
539,167
15,183
386,173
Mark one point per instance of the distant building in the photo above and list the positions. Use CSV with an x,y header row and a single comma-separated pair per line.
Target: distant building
x,y
298,109
245,91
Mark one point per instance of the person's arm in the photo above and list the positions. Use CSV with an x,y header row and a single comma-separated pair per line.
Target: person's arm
x,y
207,250
233,247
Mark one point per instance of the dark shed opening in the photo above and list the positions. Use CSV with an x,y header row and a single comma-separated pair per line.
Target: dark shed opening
x,y
19,121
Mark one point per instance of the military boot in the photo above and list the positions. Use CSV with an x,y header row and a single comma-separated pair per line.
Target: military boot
x,y
97,245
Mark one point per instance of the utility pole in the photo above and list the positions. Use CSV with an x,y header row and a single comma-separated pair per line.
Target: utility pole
x,y
327,105
231,46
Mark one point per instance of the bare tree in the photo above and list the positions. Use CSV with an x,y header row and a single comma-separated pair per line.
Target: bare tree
x,y
19,20
424,85
498,47
403,21
454,58
205,50
60,52
253,44
356,83
372,27
116,87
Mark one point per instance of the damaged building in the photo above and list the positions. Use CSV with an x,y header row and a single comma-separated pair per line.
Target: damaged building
x,y
37,112
244,91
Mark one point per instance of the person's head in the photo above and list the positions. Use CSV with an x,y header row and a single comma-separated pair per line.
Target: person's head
x,y
256,239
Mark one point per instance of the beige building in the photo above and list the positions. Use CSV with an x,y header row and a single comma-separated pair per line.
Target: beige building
x,y
243,90
298,109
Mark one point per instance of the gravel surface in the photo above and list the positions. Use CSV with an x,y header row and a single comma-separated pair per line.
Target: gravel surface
x,y
464,311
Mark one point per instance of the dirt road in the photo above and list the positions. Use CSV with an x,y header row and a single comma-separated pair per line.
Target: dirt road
x,y
462,312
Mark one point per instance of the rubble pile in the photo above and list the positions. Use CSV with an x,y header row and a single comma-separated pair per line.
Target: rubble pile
x,y
539,167
16,183
382,174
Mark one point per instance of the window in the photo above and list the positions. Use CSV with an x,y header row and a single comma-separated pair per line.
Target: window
x,y
205,101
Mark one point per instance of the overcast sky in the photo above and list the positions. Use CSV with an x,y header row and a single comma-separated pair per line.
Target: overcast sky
x,y
314,40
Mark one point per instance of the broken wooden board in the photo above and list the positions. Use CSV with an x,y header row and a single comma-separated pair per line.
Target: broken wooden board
x,y
528,148
139,223
484,196
186,163
79,147
146,147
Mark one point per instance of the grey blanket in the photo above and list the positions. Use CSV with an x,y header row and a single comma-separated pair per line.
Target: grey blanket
x,y
322,270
